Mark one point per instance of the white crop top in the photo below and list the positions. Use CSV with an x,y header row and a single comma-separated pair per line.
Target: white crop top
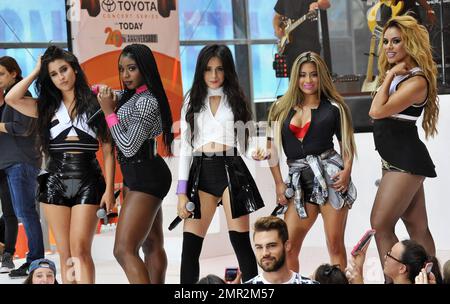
x,y
217,128
64,122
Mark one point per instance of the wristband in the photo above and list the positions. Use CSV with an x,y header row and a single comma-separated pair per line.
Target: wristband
x,y
112,120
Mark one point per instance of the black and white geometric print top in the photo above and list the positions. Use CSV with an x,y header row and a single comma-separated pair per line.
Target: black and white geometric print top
x,y
296,278
139,120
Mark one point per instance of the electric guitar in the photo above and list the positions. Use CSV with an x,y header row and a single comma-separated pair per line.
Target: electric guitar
x,y
373,14
370,83
290,26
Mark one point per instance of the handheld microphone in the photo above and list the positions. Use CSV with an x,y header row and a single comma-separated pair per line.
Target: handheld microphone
x,y
190,206
288,193
103,215
99,111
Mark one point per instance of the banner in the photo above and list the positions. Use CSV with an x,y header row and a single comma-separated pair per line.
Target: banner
x,y
102,28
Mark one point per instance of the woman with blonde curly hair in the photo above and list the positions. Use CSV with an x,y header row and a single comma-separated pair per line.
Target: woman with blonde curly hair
x,y
304,122
407,88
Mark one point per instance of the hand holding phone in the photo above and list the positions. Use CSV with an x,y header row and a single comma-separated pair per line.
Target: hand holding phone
x,y
428,267
364,241
231,274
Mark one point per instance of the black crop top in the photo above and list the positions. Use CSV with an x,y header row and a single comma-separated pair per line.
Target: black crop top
x,y
325,122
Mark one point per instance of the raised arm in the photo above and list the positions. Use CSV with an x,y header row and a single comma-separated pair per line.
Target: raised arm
x,y
16,96
411,91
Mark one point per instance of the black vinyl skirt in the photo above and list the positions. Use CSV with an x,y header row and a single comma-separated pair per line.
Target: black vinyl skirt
x,y
207,173
71,179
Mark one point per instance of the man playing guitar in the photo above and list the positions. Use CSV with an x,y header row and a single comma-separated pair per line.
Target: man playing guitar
x,y
305,37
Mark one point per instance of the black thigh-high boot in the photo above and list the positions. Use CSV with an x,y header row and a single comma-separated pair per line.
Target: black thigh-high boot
x,y
244,253
190,267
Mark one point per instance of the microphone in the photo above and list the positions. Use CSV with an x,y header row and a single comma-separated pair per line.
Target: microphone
x,y
90,119
190,206
288,193
103,215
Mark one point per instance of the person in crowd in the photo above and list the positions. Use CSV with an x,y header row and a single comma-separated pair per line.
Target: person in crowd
x,y
303,123
330,274
303,38
271,241
19,166
41,271
213,119
13,134
72,187
446,272
135,118
407,88
402,263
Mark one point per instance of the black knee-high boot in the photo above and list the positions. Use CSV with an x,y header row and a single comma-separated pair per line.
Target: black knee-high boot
x,y
244,253
190,267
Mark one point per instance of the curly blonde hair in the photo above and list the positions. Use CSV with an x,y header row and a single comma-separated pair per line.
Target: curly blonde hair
x,y
417,45
280,109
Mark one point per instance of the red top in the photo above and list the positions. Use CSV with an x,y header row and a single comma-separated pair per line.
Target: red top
x,y
299,132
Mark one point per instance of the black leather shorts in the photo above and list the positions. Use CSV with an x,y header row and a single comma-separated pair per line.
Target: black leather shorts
x,y
71,179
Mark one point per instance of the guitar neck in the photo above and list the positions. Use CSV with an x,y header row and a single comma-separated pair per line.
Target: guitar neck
x,y
369,74
296,23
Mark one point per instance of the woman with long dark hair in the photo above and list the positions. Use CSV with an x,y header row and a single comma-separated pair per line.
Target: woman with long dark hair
x,y
210,170
136,117
72,186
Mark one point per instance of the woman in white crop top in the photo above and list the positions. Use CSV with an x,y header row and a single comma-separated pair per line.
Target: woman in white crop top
x,y
72,187
407,89
210,171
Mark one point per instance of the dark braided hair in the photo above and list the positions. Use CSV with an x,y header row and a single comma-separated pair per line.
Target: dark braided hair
x,y
50,97
149,70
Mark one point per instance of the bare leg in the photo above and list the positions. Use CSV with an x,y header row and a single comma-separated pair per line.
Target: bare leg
x,y
58,219
154,254
135,222
297,229
82,230
334,222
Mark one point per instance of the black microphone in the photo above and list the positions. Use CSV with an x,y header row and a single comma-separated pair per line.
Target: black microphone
x,y
103,215
288,193
190,206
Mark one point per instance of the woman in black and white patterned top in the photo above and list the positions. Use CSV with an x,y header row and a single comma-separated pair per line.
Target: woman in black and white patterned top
x,y
142,113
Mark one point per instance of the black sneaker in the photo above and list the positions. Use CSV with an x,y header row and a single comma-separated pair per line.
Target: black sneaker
x,y
20,272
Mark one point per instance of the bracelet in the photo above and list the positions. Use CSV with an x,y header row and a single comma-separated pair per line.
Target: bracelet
x,y
112,120
182,187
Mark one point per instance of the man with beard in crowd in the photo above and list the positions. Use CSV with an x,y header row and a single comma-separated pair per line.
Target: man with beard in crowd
x,y
271,241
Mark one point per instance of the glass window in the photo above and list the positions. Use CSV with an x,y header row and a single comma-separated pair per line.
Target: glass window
x,y
265,84
28,21
26,58
205,20
261,15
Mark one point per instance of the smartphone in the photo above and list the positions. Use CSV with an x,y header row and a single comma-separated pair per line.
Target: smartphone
x,y
428,267
230,273
363,241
